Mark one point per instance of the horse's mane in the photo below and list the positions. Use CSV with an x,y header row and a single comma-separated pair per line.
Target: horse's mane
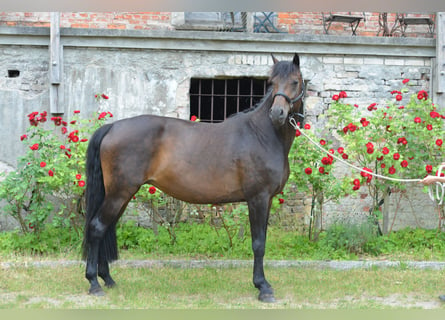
x,y
282,68
263,100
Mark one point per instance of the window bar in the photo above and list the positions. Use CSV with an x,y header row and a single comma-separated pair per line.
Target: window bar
x,y
225,99
238,89
212,97
251,94
199,99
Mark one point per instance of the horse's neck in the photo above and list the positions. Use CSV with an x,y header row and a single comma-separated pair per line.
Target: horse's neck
x,y
285,134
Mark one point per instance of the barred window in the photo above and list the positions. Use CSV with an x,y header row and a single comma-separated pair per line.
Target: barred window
x,y
213,100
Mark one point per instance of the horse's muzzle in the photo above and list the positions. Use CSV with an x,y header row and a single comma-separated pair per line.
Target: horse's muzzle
x,y
278,116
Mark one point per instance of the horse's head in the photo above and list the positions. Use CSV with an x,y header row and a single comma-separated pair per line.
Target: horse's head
x,y
287,89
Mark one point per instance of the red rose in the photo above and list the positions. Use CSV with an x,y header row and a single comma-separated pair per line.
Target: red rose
x,y
78,176
345,156
307,126
102,115
385,150
342,94
429,168
193,118
398,97
297,133
104,96
335,97
396,156
23,137
42,164
321,170
405,81
417,120
322,142
429,127
422,95
352,127
326,160
34,147
81,183
434,114
76,111
51,173
281,200
308,170
340,150
392,170
439,142
152,190
404,164
372,106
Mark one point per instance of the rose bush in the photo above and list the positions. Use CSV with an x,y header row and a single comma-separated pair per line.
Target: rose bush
x,y
52,169
311,173
401,139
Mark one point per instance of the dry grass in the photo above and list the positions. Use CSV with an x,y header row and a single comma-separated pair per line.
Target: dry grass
x,y
222,288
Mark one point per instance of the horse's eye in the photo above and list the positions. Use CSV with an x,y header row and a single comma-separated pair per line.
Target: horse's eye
x,y
296,82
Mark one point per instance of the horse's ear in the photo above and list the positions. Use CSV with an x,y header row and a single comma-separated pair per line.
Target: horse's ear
x,y
275,60
296,60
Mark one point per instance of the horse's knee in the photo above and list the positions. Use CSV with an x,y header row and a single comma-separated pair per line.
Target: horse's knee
x,y
258,247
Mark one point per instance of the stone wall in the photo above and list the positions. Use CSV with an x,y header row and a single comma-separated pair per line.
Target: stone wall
x,y
150,72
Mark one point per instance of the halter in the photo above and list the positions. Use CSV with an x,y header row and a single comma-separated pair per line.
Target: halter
x,y
292,101
289,100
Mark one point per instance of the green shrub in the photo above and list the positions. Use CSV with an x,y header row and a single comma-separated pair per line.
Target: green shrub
x,y
349,237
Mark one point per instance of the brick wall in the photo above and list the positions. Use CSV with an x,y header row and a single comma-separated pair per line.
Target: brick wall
x,y
312,23
93,20
289,22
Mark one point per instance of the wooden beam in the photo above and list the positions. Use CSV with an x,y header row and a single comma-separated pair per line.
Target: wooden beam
x,y
55,65
440,52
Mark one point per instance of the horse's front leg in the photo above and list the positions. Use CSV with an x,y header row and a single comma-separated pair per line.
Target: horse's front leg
x,y
258,216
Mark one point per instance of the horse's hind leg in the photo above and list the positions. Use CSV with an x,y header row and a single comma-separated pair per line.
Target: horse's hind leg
x,y
98,240
103,267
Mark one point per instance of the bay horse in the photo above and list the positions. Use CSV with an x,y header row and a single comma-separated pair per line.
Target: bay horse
x,y
244,158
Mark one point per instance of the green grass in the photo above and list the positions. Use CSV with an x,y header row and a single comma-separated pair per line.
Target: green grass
x,y
222,288
25,286
203,241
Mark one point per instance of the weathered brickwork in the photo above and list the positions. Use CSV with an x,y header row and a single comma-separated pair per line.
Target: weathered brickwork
x,y
312,23
90,20
288,22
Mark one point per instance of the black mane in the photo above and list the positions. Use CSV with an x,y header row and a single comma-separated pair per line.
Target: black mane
x,y
267,96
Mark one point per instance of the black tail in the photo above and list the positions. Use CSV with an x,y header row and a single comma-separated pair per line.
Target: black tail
x,y
95,194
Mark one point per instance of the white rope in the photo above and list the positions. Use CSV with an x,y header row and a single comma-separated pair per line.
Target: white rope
x,y
294,124
440,189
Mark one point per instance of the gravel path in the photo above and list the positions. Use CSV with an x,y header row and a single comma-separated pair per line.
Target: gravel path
x,y
334,265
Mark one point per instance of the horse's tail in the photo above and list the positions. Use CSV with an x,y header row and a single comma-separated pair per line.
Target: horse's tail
x,y
95,194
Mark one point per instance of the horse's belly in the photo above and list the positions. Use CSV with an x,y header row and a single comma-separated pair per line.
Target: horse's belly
x,y
201,192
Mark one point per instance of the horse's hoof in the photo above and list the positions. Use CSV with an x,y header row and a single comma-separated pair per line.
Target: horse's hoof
x,y
97,292
442,297
267,297
110,284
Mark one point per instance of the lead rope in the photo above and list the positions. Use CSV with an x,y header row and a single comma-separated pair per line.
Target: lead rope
x,y
440,187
